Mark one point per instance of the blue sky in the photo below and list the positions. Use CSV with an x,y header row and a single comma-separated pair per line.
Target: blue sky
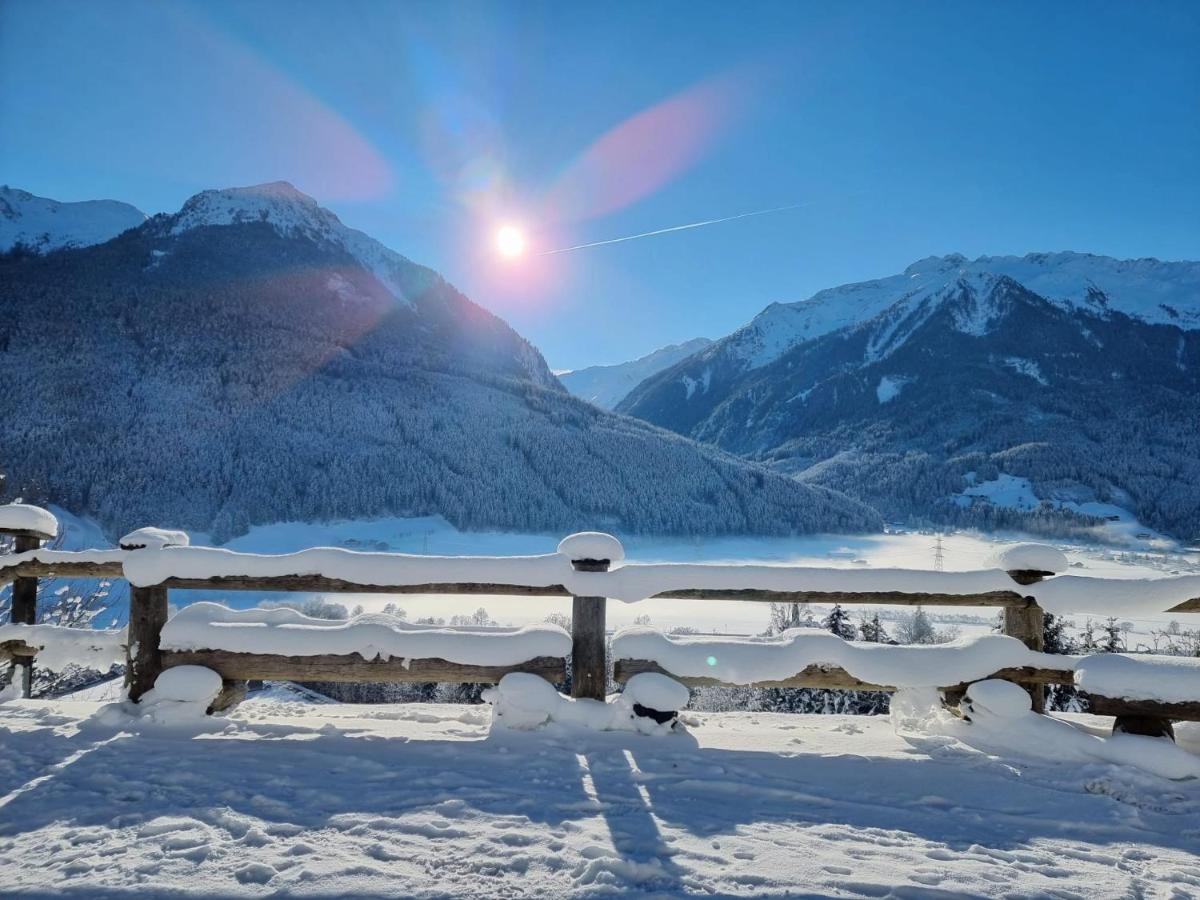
x,y
904,129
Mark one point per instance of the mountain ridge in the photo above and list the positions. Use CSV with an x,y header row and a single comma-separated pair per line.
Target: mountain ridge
x,y
607,385
241,362
33,224
969,370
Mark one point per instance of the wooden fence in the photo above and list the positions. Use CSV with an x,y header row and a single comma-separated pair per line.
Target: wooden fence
x,y
1022,619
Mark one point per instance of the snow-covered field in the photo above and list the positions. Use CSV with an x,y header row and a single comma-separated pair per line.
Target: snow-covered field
x,y
284,797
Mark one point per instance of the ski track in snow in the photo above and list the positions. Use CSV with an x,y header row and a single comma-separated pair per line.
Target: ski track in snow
x,y
421,801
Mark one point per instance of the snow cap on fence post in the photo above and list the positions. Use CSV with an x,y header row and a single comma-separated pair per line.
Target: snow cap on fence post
x,y
153,539
591,547
1030,563
24,520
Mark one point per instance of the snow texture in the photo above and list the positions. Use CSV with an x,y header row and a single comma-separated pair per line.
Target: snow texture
x,y
64,556
1002,725
1004,490
287,632
1167,679
153,538
1026,367
656,691
524,702
751,660
60,647
1032,558
1113,596
889,387
23,517
591,545
288,798
633,581
42,224
188,684
144,569
999,698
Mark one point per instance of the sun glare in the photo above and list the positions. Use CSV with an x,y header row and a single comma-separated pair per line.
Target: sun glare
x,y
510,242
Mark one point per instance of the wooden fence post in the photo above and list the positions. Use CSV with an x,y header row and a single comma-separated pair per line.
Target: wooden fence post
x,y
588,666
24,612
1027,624
143,658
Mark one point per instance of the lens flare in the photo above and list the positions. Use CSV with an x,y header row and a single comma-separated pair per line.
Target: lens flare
x,y
510,241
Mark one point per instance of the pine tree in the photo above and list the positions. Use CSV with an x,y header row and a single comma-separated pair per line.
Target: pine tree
x,y
1055,636
1058,640
1112,637
838,623
1087,642
872,630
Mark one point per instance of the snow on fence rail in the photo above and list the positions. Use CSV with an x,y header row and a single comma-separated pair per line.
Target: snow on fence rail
x,y
590,569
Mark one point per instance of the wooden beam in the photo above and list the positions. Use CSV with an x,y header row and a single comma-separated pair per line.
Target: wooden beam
x,y
329,667
891,598
28,533
320,584
837,678
10,650
1192,605
1151,709
35,568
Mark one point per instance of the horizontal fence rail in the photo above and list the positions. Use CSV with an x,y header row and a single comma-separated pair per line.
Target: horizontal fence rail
x,y
588,568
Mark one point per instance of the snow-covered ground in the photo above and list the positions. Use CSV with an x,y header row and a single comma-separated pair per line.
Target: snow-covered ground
x,y
420,801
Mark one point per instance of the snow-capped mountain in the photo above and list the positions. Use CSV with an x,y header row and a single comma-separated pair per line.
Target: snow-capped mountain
x,y
606,386
1148,290
39,224
295,214
904,390
250,359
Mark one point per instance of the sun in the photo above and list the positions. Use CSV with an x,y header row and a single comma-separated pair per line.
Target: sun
x,y
510,242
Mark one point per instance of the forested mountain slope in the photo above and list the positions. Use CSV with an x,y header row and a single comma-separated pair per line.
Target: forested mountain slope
x,y
250,359
912,391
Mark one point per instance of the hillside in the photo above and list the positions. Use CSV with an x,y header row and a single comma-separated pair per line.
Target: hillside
x,y
919,393
607,386
39,225
250,359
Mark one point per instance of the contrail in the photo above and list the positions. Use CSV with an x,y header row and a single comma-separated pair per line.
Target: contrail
x,y
634,237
